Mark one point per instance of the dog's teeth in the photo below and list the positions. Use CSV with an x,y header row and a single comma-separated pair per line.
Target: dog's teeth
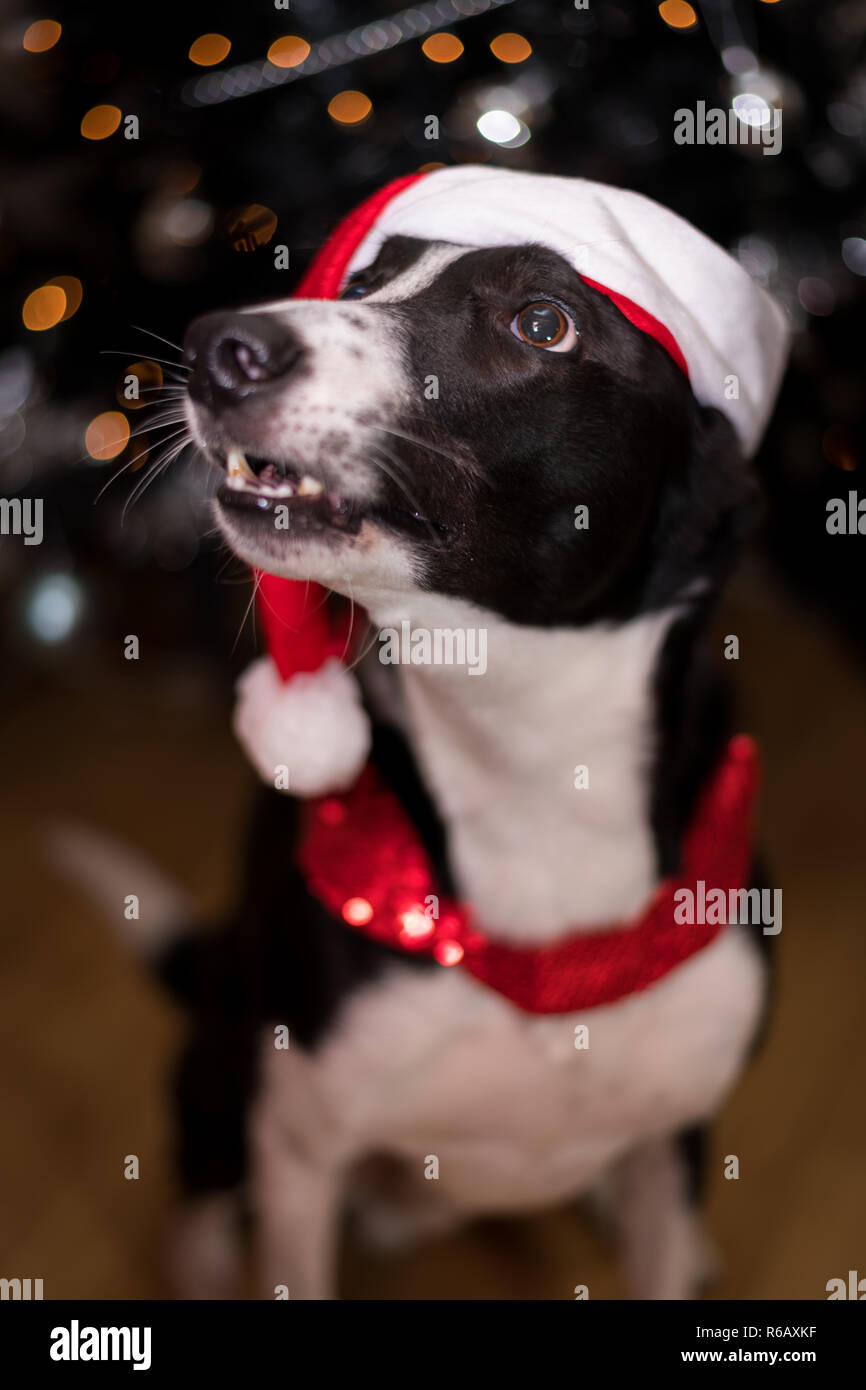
x,y
308,487
237,466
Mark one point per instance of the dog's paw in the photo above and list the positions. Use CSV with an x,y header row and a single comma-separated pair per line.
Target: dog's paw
x,y
203,1249
390,1226
707,1264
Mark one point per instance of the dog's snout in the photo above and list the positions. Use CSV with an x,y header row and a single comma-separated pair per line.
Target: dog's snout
x,y
231,356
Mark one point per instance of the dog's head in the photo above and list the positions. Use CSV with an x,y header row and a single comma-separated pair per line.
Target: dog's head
x,y
478,423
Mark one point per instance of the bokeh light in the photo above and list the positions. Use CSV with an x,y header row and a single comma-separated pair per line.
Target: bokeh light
x,y
415,925
349,107
209,49
357,911
442,48
41,35
54,608
107,435
44,308
17,379
288,52
511,48
251,226
500,127
739,60
677,14
188,222
854,254
149,378
816,296
71,287
752,109
182,176
100,122
448,952
837,447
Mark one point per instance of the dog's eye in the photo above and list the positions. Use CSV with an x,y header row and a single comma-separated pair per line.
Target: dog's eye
x,y
545,325
350,291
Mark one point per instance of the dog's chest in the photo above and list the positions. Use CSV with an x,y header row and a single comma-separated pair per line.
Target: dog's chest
x,y
540,767
517,1109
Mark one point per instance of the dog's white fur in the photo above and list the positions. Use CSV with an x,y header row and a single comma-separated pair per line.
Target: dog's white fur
x,y
536,856
515,1114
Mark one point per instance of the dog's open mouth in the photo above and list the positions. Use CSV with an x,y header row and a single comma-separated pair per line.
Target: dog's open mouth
x,y
260,485
264,486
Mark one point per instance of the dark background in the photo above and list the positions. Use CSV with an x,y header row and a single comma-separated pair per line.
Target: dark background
x,y
188,217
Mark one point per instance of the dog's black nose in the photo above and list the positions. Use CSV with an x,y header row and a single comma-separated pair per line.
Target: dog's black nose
x,y
231,356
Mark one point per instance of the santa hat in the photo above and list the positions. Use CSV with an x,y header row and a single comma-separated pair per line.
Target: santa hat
x,y
299,714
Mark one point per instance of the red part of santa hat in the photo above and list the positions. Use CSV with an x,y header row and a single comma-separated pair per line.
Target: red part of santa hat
x,y
299,714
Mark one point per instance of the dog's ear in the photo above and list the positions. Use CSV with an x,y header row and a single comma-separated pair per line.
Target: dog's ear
x,y
708,508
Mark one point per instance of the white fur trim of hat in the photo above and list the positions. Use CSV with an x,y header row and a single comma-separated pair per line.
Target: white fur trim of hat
x,y
732,334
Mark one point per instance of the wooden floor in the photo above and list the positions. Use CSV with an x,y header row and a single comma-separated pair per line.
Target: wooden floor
x,y
86,1040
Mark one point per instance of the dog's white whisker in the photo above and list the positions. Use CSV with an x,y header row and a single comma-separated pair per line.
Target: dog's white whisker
x,y
152,472
357,660
169,390
418,442
249,610
150,333
389,472
144,357
157,467
141,432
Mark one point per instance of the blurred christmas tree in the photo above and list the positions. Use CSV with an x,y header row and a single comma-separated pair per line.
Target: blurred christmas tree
x,y
167,159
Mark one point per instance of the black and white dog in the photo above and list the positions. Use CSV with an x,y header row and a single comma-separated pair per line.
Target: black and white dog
x,y
454,512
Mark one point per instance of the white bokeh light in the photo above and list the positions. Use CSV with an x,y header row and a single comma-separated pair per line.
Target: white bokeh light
x,y
500,127
54,608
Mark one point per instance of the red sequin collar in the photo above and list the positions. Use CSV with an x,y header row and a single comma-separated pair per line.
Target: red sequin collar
x,y
363,860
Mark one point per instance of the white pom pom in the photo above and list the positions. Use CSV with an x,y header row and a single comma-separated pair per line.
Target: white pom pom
x,y
313,725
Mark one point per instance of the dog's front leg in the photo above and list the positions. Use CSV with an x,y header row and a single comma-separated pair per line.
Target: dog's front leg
x,y
664,1250
297,1202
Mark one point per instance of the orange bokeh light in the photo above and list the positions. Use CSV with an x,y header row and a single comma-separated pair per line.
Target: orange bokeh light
x,y
44,308
349,107
41,35
181,177
208,49
149,377
678,14
251,226
442,48
71,287
837,447
100,122
511,48
288,52
107,435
